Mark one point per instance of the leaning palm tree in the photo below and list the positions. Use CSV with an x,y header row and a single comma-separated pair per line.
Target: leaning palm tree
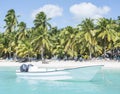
x,y
11,23
10,20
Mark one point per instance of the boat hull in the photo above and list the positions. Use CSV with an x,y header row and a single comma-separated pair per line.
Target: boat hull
x,y
80,73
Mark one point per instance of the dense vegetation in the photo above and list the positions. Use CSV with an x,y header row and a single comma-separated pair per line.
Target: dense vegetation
x,y
87,40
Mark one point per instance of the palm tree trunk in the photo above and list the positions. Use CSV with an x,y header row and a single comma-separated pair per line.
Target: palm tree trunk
x,y
90,53
42,54
10,56
15,56
29,58
104,47
104,51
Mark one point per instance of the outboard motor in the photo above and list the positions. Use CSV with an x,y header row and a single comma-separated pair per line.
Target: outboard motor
x,y
24,68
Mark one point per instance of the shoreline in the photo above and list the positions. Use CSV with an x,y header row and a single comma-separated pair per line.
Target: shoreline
x,y
65,64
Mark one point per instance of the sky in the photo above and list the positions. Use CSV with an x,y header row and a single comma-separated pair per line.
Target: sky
x,y
63,12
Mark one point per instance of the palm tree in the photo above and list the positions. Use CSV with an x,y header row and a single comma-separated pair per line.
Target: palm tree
x,y
10,20
57,48
25,49
4,46
11,23
106,33
68,40
41,20
41,39
87,26
117,42
1,44
22,32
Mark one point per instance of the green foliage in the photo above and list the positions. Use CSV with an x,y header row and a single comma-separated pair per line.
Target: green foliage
x,y
89,39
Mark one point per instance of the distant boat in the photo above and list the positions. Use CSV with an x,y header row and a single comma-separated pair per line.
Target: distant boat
x,y
83,73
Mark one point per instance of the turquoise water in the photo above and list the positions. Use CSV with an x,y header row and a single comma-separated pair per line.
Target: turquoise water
x,y
106,81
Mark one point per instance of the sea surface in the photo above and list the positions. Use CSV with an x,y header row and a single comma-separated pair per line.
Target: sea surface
x,y
107,81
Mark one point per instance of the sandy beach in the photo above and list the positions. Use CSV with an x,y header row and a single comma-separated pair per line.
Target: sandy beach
x,y
64,64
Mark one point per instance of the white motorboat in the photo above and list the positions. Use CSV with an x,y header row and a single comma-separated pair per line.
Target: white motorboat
x,y
83,73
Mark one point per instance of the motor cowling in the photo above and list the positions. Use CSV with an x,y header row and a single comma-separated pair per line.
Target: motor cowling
x,y
24,68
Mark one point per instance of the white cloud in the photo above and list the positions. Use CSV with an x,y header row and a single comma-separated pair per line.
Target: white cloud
x,y
85,10
50,10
